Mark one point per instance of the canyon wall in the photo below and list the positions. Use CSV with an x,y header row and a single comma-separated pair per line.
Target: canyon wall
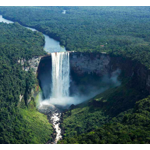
x,y
90,63
44,75
99,64
26,66
30,64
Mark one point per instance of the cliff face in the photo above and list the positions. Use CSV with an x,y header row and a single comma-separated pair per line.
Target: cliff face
x,y
44,75
30,64
26,65
90,63
97,65
100,64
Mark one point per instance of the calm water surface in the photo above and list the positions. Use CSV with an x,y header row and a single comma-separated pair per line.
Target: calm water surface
x,y
50,46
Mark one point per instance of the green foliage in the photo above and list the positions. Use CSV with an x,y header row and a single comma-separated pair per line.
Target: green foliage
x,y
19,124
111,117
40,129
102,119
134,128
81,120
24,126
119,30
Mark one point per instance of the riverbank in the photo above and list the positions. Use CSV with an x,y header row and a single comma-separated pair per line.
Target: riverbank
x,y
53,114
52,43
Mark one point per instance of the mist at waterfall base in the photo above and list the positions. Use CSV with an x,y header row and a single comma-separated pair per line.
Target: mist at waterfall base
x,y
91,91
60,85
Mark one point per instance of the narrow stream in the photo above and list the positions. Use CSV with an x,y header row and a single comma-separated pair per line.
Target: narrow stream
x,y
56,122
50,46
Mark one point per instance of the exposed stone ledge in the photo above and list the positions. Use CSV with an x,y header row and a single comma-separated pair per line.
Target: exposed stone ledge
x,y
20,97
32,63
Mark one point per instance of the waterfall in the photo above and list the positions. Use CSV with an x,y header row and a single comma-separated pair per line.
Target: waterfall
x,y
60,75
59,89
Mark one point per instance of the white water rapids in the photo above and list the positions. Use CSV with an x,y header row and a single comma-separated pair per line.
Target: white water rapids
x,y
55,119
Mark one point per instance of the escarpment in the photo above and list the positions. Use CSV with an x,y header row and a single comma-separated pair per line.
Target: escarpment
x,y
93,66
30,64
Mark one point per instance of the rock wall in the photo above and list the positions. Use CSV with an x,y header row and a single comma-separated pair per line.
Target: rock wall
x,y
100,64
30,64
20,97
44,75
90,63
26,65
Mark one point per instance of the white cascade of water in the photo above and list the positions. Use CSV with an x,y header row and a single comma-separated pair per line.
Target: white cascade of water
x,y
60,74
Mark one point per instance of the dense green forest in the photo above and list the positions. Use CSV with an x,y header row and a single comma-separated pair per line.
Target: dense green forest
x,y
131,128
115,116
118,30
119,115
19,123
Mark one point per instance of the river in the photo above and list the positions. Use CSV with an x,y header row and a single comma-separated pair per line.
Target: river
x,y
50,46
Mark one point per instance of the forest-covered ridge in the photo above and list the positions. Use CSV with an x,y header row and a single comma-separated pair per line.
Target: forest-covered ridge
x,y
121,30
17,42
119,115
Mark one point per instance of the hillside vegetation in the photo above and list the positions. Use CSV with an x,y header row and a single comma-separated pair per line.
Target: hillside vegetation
x,y
18,122
119,30
116,116
119,115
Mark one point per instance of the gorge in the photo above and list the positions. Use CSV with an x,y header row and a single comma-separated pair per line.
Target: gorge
x,y
65,78
51,45
59,87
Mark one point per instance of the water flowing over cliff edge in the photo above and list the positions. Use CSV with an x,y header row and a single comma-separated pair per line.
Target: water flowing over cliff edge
x,y
51,45
71,75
